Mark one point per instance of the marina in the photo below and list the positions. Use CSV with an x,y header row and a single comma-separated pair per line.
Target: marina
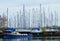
x,y
38,28
29,20
41,22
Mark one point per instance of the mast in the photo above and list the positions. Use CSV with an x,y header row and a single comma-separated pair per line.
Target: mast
x,y
33,17
36,17
20,20
55,19
40,17
29,18
48,17
44,16
3,20
24,22
51,18
17,20
7,17
9,22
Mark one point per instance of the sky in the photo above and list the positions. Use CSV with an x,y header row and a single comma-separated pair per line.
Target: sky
x,y
15,5
28,3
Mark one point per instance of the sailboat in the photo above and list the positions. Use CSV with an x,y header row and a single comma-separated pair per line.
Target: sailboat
x,y
12,34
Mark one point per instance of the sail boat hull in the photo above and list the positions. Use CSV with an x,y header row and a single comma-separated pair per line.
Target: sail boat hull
x,y
13,36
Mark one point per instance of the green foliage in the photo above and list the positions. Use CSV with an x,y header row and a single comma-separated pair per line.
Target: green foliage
x,y
2,23
54,26
43,29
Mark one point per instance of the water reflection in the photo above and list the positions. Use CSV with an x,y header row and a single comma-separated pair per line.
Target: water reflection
x,y
32,39
22,39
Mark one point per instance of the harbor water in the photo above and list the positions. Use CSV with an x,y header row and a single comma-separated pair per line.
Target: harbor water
x,y
34,39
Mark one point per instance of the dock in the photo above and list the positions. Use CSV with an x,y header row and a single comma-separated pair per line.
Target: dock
x,y
39,33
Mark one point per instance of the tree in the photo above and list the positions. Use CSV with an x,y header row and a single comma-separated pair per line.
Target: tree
x,y
2,23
